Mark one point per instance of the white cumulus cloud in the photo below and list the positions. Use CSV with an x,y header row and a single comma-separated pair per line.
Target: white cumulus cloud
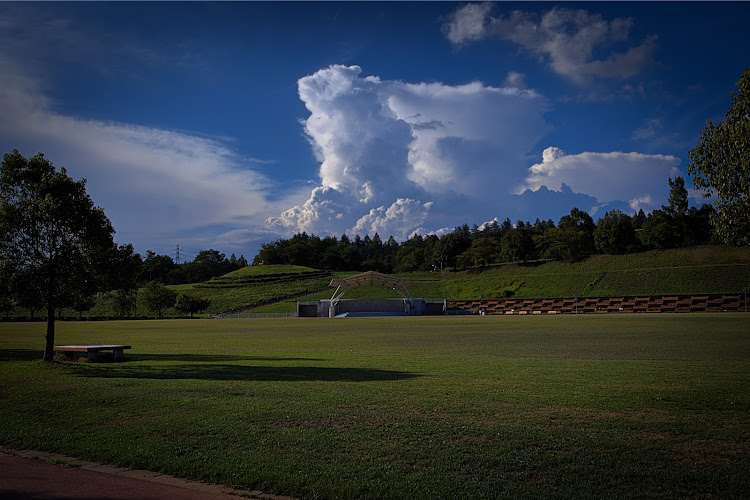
x,y
636,178
397,220
382,142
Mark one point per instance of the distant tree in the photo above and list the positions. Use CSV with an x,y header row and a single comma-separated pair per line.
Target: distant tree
x,y
57,246
563,244
7,303
483,251
84,304
452,245
206,265
660,231
411,256
638,219
720,162
122,303
516,245
699,229
463,230
614,234
156,267
157,298
269,254
678,198
572,240
190,304
241,262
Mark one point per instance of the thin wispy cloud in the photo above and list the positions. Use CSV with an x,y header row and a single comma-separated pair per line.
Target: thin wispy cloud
x,y
566,40
149,180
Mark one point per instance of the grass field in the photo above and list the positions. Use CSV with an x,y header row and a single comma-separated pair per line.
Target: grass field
x,y
605,406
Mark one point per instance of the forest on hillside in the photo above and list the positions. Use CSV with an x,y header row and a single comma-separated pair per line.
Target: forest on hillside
x,y
575,237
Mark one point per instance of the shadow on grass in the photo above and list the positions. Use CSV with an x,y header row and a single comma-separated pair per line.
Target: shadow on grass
x,y
243,372
105,356
21,354
208,358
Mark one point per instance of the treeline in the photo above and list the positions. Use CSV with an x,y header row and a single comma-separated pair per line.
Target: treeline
x,y
575,237
206,265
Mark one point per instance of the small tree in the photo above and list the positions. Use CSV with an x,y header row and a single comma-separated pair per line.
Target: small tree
x,y
122,303
84,304
190,304
157,298
721,162
55,245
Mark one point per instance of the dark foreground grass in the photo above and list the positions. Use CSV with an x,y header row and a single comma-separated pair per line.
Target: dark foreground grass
x,y
615,406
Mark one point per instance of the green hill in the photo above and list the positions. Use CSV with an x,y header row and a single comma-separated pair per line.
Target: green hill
x,y
687,271
698,270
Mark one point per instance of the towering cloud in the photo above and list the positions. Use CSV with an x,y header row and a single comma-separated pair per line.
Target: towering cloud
x,y
412,147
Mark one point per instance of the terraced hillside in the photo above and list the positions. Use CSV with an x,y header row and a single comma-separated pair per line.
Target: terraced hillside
x,y
692,271
698,271
253,286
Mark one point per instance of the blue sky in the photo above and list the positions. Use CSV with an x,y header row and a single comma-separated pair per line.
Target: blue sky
x,y
224,125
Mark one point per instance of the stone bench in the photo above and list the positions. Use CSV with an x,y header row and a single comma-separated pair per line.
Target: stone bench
x,y
93,350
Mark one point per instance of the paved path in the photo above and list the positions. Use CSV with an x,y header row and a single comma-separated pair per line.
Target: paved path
x,y
37,475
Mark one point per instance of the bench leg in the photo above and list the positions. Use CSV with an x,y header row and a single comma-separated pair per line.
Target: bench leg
x,y
93,355
118,354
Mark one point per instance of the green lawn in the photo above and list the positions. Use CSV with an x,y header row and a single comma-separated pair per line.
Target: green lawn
x,y
605,406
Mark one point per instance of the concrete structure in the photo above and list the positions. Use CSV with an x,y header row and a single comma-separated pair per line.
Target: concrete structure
x,y
404,306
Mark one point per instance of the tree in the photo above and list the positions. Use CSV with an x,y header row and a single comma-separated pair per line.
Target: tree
x,y
660,231
157,298
572,240
720,162
84,304
191,304
483,251
453,244
56,245
615,233
122,303
678,198
156,267
516,245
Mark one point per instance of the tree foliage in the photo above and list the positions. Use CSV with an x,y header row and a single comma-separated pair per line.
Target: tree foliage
x,y
720,163
615,233
157,298
190,304
56,246
122,303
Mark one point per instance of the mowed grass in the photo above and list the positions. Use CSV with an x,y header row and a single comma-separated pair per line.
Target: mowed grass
x,y
610,406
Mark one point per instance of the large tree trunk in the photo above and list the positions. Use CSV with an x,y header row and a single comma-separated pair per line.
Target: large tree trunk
x,y
49,352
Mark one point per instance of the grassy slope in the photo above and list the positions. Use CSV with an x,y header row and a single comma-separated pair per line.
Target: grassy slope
x,y
699,270
616,406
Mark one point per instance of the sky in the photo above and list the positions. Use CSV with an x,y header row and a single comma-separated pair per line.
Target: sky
x,y
226,125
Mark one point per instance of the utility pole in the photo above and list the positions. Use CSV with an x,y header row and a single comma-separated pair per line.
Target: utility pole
x,y
178,254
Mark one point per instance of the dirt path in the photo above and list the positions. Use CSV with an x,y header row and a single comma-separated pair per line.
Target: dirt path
x,y
35,475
